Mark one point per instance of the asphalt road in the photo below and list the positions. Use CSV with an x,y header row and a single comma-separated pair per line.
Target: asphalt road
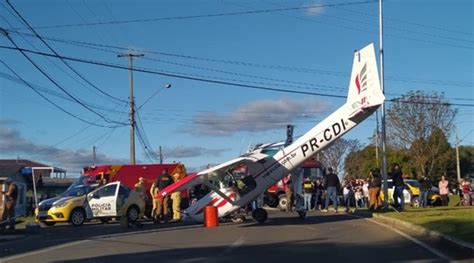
x,y
323,237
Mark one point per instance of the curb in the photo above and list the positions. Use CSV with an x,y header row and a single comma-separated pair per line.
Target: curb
x,y
425,231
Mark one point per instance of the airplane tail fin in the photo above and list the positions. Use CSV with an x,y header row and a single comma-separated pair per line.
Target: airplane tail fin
x,y
364,88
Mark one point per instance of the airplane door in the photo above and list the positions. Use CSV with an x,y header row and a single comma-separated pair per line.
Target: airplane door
x,y
103,201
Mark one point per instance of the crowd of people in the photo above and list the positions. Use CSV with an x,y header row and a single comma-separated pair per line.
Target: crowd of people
x,y
354,193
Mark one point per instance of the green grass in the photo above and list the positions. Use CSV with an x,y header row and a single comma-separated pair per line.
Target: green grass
x,y
456,222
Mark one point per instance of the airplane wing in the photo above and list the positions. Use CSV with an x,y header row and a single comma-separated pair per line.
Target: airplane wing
x,y
213,173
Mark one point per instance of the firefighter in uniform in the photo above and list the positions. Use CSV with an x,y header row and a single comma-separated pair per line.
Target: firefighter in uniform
x,y
176,200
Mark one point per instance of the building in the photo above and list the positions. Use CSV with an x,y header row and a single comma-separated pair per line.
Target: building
x,y
48,182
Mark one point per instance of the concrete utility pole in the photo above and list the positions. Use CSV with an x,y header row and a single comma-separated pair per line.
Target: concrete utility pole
x,y
132,105
161,155
93,155
458,167
382,81
377,136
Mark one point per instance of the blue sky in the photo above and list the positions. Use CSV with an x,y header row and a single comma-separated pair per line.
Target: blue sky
x,y
428,46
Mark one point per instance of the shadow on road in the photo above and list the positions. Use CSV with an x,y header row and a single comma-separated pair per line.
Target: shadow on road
x,y
296,251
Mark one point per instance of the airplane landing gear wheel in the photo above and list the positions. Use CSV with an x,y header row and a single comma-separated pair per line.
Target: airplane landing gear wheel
x,y
260,215
302,214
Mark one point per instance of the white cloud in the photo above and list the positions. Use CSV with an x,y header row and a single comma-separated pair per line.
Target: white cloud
x,y
256,116
13,144
192,151
315,9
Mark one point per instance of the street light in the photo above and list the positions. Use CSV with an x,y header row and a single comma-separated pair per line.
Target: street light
x,y
167,86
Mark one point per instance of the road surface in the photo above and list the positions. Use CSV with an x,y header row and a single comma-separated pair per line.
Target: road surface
x,y
323,237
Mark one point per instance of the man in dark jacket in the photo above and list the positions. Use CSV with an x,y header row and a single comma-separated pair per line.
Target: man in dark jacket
x,y
162,209
331,184
425,187
399,185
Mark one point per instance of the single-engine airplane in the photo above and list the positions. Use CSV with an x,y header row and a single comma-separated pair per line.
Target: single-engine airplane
x,y
233,187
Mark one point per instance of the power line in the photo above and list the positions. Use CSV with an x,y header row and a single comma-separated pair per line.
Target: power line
x,y
55,93
52,62
54,82
101,47
201,79
206,15
52,50
52,102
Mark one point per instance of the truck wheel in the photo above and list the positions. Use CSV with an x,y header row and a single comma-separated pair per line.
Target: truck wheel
x,y
260,215
282,202
77,218
133,213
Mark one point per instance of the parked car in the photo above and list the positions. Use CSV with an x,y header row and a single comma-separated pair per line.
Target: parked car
x,y
411,193
113,200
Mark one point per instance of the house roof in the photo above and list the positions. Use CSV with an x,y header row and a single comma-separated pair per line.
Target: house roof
x,y
10,166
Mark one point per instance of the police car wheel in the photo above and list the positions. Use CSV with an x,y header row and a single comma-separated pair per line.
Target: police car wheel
x,y
132,214
260,215
77,218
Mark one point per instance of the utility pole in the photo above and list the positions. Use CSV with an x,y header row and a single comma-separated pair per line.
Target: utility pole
x,y
93,155
458,167
377,135
382,81
132,104
161,156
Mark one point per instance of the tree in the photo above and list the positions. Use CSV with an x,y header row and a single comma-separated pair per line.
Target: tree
x,y
358,163
466,160
418,122
334,154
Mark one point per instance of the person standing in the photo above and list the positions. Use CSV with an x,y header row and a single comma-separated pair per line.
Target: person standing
x,y
289,193
331,184
162,209
154,198
396,175
140,188
374,189
365,190
443,186
176,200
348,193
318,195
308,188
425,187
11,196
466,191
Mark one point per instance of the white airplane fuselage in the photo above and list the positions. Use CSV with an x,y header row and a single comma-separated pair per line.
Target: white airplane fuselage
x,y
364,98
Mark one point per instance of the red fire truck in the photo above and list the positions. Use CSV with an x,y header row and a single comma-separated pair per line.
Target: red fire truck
x,y
128,174
275,195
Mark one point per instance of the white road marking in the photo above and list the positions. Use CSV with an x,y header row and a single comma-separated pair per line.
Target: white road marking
x,y
414,240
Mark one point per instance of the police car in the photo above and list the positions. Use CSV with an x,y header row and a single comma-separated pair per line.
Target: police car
x,y
113,200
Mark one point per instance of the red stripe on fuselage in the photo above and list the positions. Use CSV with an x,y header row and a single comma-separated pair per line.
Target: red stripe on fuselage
x,y
214,201
358,83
